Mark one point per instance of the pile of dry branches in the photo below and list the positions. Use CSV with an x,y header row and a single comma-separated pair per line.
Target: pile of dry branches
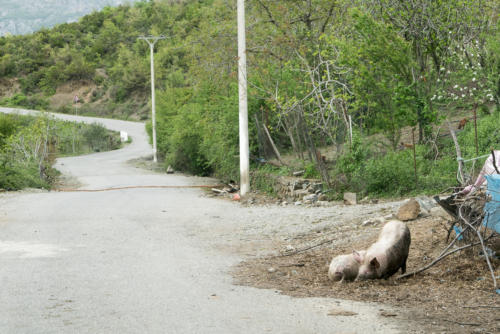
x,y
468,214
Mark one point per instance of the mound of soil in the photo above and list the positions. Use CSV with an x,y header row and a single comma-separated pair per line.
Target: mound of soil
x,y
454,296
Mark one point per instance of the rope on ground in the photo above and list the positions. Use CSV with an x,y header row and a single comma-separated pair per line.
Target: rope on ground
x,y
137,187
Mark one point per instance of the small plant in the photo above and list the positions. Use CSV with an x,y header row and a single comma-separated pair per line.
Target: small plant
x,y
310,171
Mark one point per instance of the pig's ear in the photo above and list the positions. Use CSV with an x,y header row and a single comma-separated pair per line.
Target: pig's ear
x,y
374,263
357,256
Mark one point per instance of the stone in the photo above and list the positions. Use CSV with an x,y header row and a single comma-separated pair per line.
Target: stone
x,y
299,173
297,203
439,212
300,193
350,198
374,221
311,190
271,270
323,203
323,197
424,213
341,312
298,184
426,203
409,210
310,198
365,200
318,186
170,170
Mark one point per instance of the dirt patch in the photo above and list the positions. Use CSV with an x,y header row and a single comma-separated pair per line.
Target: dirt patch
x,y
9,87
64,182
455,296
65,94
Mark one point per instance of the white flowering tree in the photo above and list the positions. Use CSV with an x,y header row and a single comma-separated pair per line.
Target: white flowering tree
x,y
441,33
465,78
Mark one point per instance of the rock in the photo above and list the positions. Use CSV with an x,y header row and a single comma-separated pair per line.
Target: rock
x,y
318,186
170,170
409,210
300,193
271,270
297,203
374,221
289,248
350,198
341,312
424,213
323,203
298,184
439,212
426,203
388,314
310,198
299,173
284,203
365,200
323,197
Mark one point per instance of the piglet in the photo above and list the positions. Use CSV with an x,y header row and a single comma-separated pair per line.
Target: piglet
x,y
384,258
344,267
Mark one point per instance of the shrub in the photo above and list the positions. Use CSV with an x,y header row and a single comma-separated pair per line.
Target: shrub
x,y
29,102
392,173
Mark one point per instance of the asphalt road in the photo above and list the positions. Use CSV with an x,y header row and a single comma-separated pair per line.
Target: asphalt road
x,y
143,260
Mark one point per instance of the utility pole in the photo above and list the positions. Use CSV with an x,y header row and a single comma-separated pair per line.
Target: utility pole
x,y
151,40
243,103
75,102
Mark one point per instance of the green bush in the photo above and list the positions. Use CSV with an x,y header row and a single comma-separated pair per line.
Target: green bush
x,y
18,176
8,126
310,171
390,174
29,102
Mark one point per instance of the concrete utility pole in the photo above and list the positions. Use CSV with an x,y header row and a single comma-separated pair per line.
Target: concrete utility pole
x,y
151,40
243,105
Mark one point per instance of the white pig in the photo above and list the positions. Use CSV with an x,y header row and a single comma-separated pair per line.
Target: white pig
x,y
344,267
384,258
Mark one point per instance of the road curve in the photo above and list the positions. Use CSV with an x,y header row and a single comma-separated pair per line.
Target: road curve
x,y
146,260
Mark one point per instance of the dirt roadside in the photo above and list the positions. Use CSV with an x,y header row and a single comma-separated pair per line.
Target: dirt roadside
x,y
455,296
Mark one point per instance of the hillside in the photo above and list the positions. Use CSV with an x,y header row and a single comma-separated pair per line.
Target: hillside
x,y
332,73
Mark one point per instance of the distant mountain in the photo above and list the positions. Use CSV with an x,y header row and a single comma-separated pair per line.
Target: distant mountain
x,y
25,16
